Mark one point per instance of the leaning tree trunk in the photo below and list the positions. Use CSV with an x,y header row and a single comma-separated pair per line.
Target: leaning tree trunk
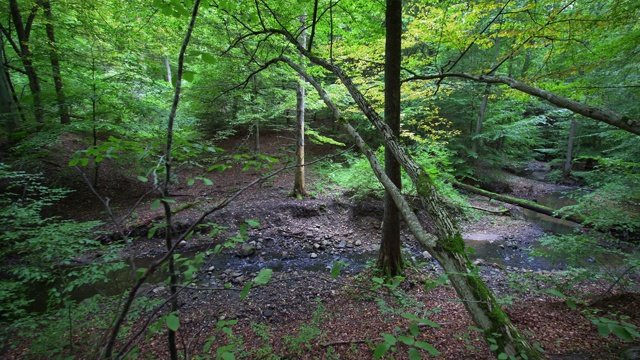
x,y
448,247
65,118
566,171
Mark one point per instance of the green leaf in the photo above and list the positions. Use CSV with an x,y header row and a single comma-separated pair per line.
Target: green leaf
x,y
227,356
143,178
335,269
426,346
414,329
253,223
414,354
173,323
207,345
381,350
503,356
407,340
571,304
155,204
206,181
74,162
622,333
493,347
209,59
603,330
263,277
390,339
245,290
191,181
188,75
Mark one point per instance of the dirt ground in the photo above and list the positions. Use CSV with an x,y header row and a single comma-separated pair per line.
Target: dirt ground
x,y
304,311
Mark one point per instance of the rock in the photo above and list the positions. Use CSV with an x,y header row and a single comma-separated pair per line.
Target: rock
x,y
236,274
358,243
246,250
182,243
238,280
426,255
267,313
349,244
325,243
313,255
316,246
211,268
342,244
478,262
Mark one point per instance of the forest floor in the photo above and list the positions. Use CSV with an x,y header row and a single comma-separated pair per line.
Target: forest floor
x,y
305,313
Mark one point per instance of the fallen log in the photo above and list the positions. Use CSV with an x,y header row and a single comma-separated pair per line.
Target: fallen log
x,y
519,202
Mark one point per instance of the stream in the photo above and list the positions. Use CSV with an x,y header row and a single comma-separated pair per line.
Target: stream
x,y
280,255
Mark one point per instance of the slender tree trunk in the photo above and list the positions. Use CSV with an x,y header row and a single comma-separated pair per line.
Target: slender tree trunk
x,y
475,144
567,164
167,66
9,118
256,122
65,118
27,62
389,256
299,186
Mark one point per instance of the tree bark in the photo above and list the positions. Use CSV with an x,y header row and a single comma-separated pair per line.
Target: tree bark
x,y
65,118
390,256
299,186
26,58
520,202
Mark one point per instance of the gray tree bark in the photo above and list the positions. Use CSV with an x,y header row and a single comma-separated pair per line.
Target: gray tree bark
x,y
299,186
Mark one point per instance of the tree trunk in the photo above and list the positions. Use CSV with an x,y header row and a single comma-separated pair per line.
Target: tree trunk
x,y
26,57
9,118
389,256
447,247
299,186
65,118
478,130
572,134
256,122
167,66
520,202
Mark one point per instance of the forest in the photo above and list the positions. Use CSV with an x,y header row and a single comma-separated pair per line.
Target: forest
x,y
322,179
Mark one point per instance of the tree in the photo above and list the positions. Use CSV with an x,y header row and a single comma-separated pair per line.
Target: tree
x,y
389,256
8,110
299,187
55,64
23,49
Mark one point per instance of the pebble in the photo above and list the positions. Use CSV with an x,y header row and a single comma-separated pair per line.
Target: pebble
x,y
358,243
342,244
426,255
313,255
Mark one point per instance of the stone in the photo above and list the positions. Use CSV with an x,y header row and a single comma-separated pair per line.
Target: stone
x,y
211,268
267,313
426,255
316,246
246,250
313,255
342,244
182,243
358,243
325,243
349,244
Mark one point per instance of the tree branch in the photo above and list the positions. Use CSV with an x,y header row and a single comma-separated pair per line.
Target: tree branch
x,y
604,115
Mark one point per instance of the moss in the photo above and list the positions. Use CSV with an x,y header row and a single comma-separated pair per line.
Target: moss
x,y
454,244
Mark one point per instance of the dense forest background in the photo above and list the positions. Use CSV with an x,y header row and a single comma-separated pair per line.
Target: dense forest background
x,y
111,111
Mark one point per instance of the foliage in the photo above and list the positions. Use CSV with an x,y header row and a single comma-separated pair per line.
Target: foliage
x,y
37,293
